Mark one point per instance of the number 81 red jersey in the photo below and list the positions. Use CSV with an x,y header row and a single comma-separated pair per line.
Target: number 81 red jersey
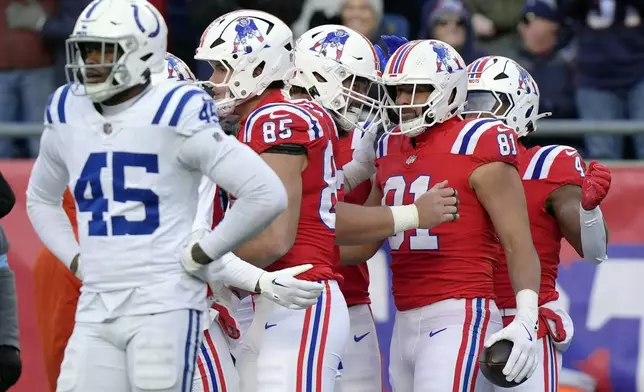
x,y
276,122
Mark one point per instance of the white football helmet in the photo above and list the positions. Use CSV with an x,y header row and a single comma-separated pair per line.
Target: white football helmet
x,y
499,87
254,47
131,32
175,69
429,65
338,66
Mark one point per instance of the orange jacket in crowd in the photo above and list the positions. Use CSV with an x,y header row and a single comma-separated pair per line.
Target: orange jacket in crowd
x,y
57,292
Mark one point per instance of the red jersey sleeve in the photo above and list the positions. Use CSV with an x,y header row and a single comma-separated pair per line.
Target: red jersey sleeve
x,y
486,141
561,165
281,123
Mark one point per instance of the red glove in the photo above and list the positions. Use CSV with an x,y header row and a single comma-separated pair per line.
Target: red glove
x,y
226,321
596,185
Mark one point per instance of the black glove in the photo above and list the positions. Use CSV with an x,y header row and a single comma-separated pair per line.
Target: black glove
x,y
10,367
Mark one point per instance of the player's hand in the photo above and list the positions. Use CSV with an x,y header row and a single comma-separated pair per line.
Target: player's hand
x,y
596,185
193,251
222,303
393,42
522,332
365,153
438,205
284,289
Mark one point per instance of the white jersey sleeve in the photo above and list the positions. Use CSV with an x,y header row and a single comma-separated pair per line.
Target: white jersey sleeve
x,y
47,184
260,194
203,217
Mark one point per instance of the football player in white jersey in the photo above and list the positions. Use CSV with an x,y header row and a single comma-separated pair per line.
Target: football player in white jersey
x,y
133,154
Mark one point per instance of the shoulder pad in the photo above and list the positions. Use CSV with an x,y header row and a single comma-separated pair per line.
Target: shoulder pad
x,y
468,137
299,119
56,111
542,162
184,103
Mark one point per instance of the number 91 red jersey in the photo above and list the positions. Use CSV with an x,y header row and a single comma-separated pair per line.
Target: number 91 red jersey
x,y
455,259
275,122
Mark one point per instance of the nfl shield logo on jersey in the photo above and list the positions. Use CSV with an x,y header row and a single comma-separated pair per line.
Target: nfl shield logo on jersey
x,y
411,160
107,128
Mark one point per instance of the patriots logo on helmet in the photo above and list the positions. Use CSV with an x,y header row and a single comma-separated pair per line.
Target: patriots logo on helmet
x,y
247,31
333,40
525,82
444,57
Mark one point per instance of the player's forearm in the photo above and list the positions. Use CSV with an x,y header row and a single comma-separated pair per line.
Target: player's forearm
x,y
356,224
358,254
261,197
523,265
355,173
594,235
54,229
275,241
203,217
45,210
235,272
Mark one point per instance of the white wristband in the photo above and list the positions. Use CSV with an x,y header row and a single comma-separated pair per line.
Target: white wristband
x,y
405,217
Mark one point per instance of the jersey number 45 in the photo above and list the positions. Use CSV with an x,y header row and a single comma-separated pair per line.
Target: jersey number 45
x,y
98,204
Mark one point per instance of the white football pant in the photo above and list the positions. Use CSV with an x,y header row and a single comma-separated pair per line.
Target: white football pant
x,y
215,368
361,366
155,352
436,348
294,350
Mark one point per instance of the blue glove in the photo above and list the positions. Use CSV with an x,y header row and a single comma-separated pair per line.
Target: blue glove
x,y
393,42
382,57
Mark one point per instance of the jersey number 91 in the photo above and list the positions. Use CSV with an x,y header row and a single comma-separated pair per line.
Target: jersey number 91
x,y
97,204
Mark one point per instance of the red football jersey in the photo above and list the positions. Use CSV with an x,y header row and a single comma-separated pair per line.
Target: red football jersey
x,y
277,121
456,259
543,169
356,277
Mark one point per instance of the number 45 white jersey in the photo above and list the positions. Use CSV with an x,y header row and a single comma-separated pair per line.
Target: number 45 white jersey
x,y
134,174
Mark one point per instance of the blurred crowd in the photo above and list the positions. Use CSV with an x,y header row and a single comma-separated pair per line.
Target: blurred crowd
x,y
586,55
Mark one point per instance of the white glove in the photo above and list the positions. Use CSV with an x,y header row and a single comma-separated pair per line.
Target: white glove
x,y
522,332
187,262
365,152
284,289
362,166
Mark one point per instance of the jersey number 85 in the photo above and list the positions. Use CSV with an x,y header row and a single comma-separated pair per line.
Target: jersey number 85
x,y
97,204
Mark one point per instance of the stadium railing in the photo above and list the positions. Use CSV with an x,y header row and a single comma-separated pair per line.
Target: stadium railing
x,y
546,128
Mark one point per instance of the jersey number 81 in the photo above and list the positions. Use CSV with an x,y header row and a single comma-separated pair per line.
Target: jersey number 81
x,y
97,204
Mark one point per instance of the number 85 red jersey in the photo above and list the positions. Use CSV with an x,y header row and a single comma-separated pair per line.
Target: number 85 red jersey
x,y
456,259
276,122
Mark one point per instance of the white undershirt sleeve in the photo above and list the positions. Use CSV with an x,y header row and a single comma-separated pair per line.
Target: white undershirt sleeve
x,y
259,192
593,235
49,178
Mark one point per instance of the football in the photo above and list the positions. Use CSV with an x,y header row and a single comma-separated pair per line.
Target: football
x,y
492,361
